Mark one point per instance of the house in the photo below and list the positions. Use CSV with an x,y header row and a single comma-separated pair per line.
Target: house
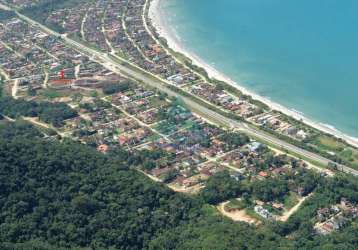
x,y
176,79
263,174
189,182
259,203
156,48
292,131
322,214
60,84
278,171
327,228
205,171
237,176
301,191
353,212
254,146
123,139
103,148
140,133
339,222
179,180
345,202
159,171
301,134
335,209
278,206
263,212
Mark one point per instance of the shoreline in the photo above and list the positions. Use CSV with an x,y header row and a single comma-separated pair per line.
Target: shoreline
x,y
156,16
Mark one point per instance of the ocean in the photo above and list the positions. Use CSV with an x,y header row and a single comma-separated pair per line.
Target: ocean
x,y
302,54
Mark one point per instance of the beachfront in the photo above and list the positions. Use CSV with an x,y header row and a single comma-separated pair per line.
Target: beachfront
x,y
157,15
126,41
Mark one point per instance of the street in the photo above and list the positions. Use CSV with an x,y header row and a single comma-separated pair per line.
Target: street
x,y
161,84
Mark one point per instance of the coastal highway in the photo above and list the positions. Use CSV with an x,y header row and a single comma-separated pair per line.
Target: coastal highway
x,y
133,71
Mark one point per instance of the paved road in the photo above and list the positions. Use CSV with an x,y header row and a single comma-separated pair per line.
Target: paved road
x,y
215,117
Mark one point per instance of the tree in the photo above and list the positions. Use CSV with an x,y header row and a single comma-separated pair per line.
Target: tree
x,y
72,196
234,140
53,113
221,187
269,189
112,88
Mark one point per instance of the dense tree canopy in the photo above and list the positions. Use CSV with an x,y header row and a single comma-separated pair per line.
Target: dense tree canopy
x,y
67,196
53,113
270,189
214,233
221,187
234,140
112,88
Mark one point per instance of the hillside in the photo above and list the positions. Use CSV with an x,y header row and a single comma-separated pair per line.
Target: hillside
x,y
67,195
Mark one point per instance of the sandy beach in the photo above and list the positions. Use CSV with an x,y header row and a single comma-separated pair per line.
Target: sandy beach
x,y
156,15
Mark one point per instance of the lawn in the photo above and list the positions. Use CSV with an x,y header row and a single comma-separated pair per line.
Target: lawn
x,y
235,204
152,137
165,127
250,212
342,151
52,94
350,155
291,199
156,102
329,143
169,128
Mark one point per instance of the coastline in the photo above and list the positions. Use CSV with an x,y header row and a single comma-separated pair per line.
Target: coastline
x,y
156,16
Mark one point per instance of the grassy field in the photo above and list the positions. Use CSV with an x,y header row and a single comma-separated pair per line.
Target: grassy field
x,y
290,200
350,155
156,102
52,94
235,204
250,212
341,150
329,143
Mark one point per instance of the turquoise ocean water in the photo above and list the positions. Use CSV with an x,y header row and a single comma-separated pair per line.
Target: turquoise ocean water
x,y
302,54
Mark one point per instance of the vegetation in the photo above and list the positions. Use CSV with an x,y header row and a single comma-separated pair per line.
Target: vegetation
x,y
66,195
336,149
41,11
52,94
1,86
234,140
300,224
221,187
5,15
215,233
270,189
19,129
348,157
236,204
52,113
113,88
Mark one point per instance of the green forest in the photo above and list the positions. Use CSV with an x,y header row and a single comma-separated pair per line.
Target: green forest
x,y
64,195
59,194
52,113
